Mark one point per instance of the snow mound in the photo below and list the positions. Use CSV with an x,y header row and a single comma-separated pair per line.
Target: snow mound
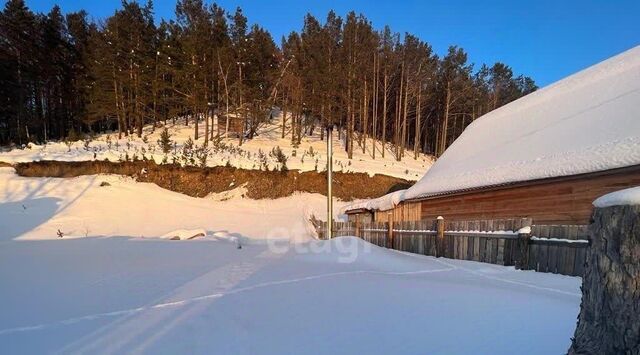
x,y
185,234
630,196
585,123
361,254
383,203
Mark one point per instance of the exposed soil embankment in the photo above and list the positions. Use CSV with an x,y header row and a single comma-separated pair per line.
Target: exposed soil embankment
x,y
200,182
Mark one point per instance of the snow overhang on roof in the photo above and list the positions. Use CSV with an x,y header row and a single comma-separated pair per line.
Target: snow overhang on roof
x,y
383,203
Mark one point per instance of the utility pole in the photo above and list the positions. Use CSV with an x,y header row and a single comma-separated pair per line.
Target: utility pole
x,y
329,181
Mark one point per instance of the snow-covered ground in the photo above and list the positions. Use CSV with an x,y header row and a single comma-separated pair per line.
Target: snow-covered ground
x,y
308,156
102,288
37,208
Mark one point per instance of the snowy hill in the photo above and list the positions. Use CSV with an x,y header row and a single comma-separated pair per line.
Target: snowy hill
x,y
253,154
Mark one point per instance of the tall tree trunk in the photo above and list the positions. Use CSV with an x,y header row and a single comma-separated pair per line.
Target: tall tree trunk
x,y
195,121
445,122
404,118
205,112
398,129
374,131
365,106
416,140
284,113
117,102
385,92
351,128
609,320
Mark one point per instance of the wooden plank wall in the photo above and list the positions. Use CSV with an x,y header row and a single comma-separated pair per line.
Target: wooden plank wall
x,y
402,212
374,233
419,237
553,201
555,256
490,241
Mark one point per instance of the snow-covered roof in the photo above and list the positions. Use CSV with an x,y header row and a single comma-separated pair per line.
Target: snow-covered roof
x,y
587,122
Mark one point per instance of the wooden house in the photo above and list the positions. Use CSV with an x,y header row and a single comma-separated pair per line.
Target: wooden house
x,y
546,156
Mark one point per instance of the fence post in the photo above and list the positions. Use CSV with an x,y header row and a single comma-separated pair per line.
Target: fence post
x,y
440,241
357,228
524,234
323,230
390,233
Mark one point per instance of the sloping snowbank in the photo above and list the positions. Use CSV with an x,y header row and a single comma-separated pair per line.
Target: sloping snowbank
x,y
630,196
587,122
37,208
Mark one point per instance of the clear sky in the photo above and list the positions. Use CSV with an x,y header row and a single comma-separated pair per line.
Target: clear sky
x,y
545,39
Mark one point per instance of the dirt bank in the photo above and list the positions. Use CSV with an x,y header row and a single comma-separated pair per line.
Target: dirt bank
x,y
200,182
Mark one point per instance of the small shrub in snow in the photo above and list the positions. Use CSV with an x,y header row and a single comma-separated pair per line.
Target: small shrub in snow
x,y
280,157
165,141
86,144
201,154
262,159
188,153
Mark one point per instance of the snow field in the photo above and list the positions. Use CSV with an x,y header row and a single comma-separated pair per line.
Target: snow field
x,y
113,284
105,295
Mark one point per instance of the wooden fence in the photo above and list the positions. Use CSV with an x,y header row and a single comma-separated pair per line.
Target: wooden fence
x,y
512,242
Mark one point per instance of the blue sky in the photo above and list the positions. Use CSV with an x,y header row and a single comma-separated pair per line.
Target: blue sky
x,y
544,39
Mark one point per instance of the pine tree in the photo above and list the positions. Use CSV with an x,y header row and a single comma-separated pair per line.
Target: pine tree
x,y
61,74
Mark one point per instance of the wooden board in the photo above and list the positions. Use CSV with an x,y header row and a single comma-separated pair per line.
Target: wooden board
x,y
557,201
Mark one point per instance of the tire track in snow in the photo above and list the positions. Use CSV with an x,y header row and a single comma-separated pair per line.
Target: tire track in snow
x,y
188,301
514,282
